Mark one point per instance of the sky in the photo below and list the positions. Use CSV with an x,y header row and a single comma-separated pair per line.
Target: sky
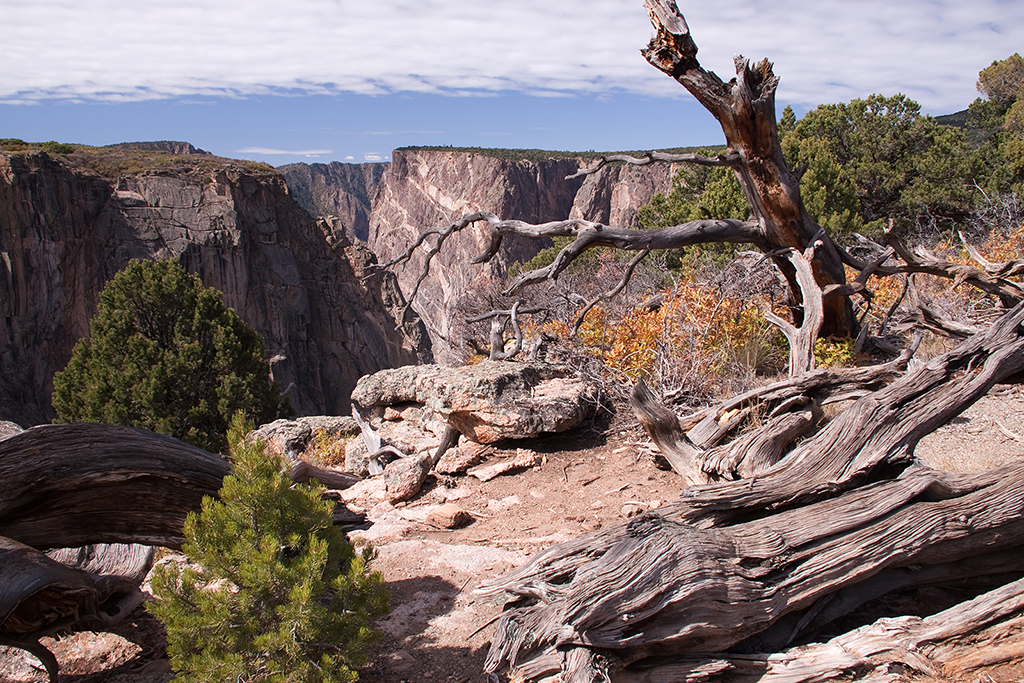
x,y
351,80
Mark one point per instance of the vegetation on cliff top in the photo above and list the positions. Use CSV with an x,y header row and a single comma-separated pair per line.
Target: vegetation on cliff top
x,y
536,155
113,161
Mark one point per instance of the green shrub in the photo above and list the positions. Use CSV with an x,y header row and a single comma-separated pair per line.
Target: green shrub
x,y
54,147
277,594
165,354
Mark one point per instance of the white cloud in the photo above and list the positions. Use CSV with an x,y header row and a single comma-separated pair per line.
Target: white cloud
x,y
826,50
272,151
372,156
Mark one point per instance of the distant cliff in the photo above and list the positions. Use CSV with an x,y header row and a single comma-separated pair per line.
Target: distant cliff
x,y
337,189
64,233
424,188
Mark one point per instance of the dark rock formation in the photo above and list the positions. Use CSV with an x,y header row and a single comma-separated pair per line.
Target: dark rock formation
x,y
63,234
336,189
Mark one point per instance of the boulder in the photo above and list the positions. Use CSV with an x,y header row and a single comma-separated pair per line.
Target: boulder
x,y
291,438
490,401
459,460
404,477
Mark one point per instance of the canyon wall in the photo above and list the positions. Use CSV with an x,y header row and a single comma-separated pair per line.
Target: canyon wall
x,y
337,189
428,189
298,282
424,189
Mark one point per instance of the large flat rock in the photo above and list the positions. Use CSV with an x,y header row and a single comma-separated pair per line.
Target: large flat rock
x,y
488,402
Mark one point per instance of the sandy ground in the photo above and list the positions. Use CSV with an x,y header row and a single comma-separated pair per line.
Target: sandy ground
x,y
439,630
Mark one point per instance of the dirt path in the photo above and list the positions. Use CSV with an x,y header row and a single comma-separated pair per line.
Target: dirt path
x,y
438,630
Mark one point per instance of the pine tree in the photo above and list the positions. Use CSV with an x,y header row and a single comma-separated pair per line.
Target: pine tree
x,y
277,595
166,354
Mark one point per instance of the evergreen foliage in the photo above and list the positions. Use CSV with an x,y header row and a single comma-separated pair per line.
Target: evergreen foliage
x,y
276,593
883,153
165,354
999,120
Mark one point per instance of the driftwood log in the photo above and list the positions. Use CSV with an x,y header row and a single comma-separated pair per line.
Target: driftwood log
x,y
717,583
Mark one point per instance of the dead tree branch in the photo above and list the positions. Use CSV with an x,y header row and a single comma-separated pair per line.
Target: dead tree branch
x,y
732,560
613,292
802,339
499,321
728,159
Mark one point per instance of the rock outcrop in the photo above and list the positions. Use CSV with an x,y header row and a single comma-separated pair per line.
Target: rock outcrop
x,y
64,234
490,401
337,189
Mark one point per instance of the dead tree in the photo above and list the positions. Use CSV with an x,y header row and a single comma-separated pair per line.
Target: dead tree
x,y
756,564
745,108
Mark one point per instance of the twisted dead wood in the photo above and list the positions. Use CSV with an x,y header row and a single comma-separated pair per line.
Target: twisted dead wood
x,y
839,513
108,488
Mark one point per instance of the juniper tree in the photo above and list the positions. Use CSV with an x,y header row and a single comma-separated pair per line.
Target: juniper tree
x,y
167,355
273,591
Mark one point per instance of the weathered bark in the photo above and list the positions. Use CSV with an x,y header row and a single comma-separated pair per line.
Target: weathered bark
x,y
846,512
72,589
100,486
745,108
71,485
802,337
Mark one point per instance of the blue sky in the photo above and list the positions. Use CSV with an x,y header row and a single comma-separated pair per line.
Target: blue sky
x,y
350,80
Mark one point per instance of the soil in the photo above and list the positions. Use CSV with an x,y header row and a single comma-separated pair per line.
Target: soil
x,y
438,629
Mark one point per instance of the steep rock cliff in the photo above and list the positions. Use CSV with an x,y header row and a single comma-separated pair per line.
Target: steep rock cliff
x,y
614,196
63,234
430,188
337,189
425,189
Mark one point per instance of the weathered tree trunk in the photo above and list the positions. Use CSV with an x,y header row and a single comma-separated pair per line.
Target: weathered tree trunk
x,y
745,108
844,517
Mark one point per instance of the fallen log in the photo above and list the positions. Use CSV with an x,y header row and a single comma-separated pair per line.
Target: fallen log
x,y
70,485
99,496
842,513
74,589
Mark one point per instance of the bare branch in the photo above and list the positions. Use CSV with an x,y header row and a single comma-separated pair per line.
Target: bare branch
x,y
728,159
675,237
921,261
587,234
1012,268
801,339
614,291
499,319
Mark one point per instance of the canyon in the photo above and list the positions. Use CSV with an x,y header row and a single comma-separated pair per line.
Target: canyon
x,y
291,250
426,188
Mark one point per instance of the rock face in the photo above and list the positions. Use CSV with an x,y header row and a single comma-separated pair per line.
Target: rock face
x,y
337,189
488,402
64,234
425,189
614,196
429,188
